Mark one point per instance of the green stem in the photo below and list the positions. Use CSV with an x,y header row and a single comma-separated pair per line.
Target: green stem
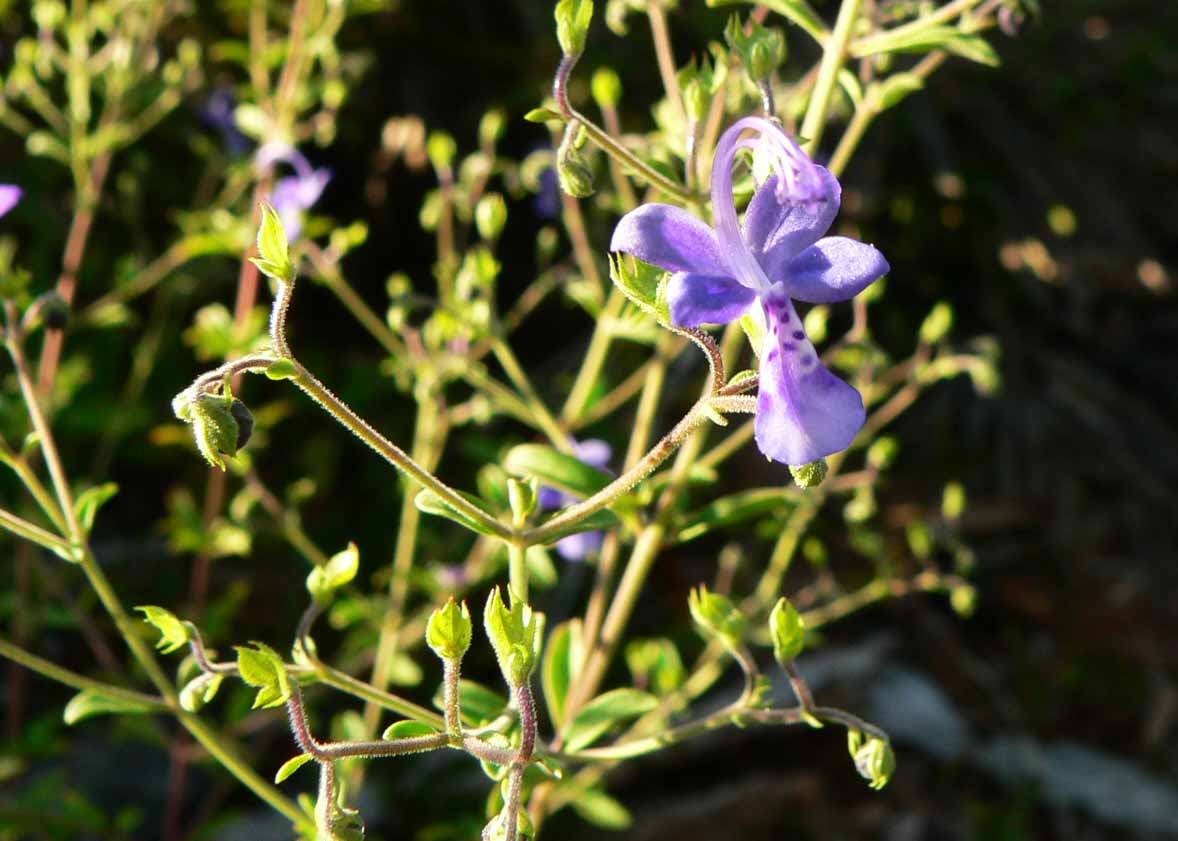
x,y
832,61
36,534
389,451
517,569
73,679
544,419
881,41
595,357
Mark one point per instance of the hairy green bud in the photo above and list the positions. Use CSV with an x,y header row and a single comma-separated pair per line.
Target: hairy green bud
x,y
572,25
788,632
716,616
874,758
512,632
448,631
490,215
808,475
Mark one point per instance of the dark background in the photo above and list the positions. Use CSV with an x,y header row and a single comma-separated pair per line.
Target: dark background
x,y
1051,713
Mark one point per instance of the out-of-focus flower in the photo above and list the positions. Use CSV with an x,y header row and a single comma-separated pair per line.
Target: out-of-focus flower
x,y
293,195
9,197
577,547
218,113
804,412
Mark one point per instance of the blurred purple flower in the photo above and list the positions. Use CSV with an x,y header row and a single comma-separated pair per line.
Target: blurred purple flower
x,y
218,113
577,547
293,195
547,200
9,197
804,412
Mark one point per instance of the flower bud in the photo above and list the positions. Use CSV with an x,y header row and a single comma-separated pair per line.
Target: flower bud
x,y
788,632
491,127
716,616
522,497
576,178
808,475
572,25
512,632
606,87
490,215
245,424
448,632
874,759
761,50
214,427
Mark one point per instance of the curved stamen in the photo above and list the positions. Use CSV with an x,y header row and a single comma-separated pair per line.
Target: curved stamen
x,y
798,182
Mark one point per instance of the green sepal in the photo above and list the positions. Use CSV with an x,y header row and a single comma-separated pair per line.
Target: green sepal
x,y
173,633
809,475
512,632
643,284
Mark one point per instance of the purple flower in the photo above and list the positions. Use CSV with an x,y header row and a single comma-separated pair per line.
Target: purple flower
x,y
577,547
804,412
218,113
9,197
293,195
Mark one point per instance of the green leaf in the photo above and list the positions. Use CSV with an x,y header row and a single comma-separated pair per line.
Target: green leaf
x,y
273,249
927,39
430,503
323,581
641,283
561,656
604,712
90,500
281,369
87,703
479,703
894,89
795,11
541,570
173,633
200,691
556,469
543,115
731,510
291,765
261,667
596,521
598,808
408,730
